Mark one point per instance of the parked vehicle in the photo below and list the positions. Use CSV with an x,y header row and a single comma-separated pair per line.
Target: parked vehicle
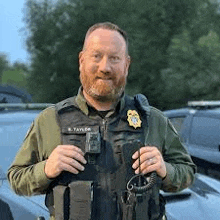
x,y
199,202
11,94
15,119
199,129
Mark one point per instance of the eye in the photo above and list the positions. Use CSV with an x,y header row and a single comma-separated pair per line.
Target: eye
x,y
96,56
114,59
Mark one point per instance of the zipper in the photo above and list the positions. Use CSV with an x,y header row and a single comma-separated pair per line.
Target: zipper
x,y
106,178
104,128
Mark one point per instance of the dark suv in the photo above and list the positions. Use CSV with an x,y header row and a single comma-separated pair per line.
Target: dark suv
x,y
199,129
15,119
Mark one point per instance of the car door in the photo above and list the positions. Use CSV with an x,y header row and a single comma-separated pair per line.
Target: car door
x,y
204,137
181,121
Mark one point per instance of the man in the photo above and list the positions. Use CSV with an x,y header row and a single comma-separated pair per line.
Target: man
x,y
84,151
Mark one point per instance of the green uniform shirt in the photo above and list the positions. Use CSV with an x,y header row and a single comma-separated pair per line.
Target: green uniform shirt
x,y
26,174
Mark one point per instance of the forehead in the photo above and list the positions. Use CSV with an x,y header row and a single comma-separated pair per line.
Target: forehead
x,y
106,39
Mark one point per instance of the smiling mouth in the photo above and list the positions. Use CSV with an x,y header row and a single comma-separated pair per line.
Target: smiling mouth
x,y
104,79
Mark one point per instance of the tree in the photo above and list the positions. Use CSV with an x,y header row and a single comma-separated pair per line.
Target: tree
x,y
194,57
3,65
57,30
20,66
158,23
14,75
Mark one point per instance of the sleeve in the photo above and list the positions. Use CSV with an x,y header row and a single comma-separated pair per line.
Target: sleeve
x,y
180,167
26,174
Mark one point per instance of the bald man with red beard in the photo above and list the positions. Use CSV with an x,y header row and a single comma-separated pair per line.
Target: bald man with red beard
x,y
83,151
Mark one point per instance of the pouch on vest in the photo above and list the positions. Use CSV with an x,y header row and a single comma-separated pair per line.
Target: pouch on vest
x,y
81,198
73,202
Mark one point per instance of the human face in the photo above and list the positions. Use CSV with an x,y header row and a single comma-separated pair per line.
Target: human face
x,y
104,65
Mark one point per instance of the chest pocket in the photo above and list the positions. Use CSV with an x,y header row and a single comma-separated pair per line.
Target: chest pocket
x,y
123,133
87,138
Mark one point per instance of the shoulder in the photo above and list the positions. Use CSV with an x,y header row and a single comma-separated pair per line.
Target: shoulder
x,y
65,104
159,116
48,115
142,103
157,113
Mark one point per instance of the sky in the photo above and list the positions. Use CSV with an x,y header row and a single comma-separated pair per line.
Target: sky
x,y
12,38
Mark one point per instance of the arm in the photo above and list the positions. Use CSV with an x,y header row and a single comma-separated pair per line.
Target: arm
x,y
167,156
26,174
179,165
42,157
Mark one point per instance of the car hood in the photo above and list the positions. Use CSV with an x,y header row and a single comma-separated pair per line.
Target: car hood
x,y
199,202
33,205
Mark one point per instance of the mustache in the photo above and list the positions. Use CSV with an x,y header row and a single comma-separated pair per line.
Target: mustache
x,y
104,77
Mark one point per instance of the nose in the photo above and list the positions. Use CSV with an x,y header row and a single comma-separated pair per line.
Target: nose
x,y
105,65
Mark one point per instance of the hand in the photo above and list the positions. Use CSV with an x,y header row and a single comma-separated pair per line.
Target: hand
x,y
150,160
64,158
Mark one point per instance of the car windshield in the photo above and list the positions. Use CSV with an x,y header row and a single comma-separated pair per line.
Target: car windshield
x,y
13,128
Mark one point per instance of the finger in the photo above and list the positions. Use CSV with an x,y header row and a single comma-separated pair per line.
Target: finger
x,y
148,169
143,150
70,148
74,163
141,163
70,169
76,156
72,152
147,166
143,158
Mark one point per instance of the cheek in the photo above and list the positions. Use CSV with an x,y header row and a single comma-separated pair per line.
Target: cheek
x,y
90,69
93,69
87,74
121,73
87,67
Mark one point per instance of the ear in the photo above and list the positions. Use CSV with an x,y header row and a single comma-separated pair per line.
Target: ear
x,y
81,58
127,64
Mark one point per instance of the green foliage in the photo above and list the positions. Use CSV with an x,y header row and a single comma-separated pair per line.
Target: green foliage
x,y
195,70
152,31
174,46
14,77
3,65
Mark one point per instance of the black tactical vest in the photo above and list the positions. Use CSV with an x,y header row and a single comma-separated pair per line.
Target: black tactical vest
x,y
97,192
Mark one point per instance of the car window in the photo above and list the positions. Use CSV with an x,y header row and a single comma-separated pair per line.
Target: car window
x,y
206,132
177,123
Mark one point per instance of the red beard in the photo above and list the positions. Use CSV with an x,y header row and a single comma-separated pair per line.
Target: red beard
x,y
107,89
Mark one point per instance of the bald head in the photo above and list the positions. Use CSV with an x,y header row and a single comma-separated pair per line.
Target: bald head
x,y
107,26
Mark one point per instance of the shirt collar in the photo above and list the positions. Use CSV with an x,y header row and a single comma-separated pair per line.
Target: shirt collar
x,y
82,104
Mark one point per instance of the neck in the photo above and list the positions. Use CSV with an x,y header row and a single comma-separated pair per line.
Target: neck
x,y
99,105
